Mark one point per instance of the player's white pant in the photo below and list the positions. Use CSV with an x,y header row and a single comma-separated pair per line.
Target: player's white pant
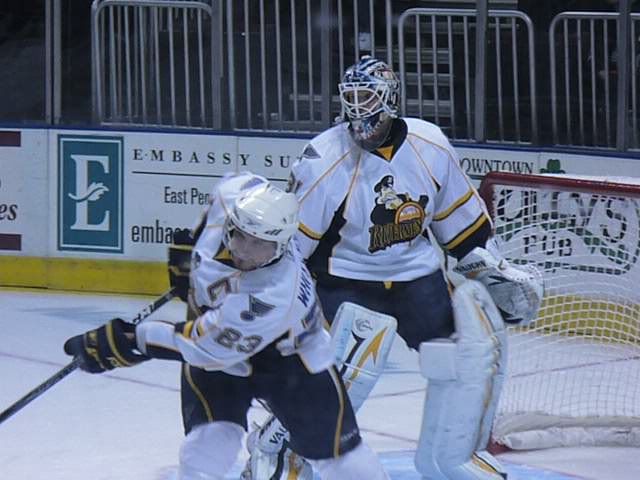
x,y
361,463
209,451
465,375
362,341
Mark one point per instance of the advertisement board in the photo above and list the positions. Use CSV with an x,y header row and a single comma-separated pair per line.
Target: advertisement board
x,y
270,157
588,164
123,194
477,162
23,192
97,196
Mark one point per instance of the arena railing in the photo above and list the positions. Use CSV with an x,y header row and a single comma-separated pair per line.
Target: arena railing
x,y
437,72
154,62
285,58
586,81
273,66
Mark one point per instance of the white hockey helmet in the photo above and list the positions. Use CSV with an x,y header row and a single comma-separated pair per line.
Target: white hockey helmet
x,y
370,98
267,213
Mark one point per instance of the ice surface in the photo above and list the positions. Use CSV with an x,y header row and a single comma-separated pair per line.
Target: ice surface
x,y
126,425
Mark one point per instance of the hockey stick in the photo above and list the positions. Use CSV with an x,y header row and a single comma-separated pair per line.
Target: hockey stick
x,y
60,374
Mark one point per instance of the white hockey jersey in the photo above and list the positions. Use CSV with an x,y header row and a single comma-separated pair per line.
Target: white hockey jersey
x,y
371,211
244,311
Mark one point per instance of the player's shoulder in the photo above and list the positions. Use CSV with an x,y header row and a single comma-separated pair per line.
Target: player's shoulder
x,y
325,156
427,132
326,147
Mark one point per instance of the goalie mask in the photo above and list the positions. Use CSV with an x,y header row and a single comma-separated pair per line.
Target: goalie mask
x,y
259,226
370,97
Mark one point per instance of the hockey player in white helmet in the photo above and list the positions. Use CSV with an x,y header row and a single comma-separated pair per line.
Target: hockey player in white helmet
x,y
370,190
256,332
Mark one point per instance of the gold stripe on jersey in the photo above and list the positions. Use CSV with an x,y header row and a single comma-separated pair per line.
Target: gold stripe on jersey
x,y
188,328
308,232
431,142
424,164
224,207
352,185
196,390
200,329
336,440
329,170
467,232
457,204
346,203
440,147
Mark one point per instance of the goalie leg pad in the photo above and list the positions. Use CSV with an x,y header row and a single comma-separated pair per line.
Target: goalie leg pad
x,y
461,394
500,334
361,341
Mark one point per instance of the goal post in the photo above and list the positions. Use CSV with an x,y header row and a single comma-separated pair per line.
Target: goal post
x,y
574,373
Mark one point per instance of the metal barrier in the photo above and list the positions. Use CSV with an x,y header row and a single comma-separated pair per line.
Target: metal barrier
x,y
285,61
161,62
584,81
437,70
154,63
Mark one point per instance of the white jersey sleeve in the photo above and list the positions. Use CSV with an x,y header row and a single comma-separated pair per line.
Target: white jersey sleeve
x,y
459,210
320,180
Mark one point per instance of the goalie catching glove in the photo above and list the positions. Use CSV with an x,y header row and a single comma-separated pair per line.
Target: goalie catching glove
x,y
516,291
179,264
107,347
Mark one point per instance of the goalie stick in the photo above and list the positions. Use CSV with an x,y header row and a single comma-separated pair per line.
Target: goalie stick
x,y
62,373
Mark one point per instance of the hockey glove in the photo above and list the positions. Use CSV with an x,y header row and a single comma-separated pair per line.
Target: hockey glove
x,y
107,347
180,262
516,291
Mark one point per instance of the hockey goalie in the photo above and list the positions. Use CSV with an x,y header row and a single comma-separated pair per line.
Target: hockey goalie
x,y
380,195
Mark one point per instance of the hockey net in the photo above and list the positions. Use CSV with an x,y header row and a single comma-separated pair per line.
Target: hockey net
x,y
574,373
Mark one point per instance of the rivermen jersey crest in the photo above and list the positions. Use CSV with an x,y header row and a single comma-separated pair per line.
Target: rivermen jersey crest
x,y
244,312
365,215
396,217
